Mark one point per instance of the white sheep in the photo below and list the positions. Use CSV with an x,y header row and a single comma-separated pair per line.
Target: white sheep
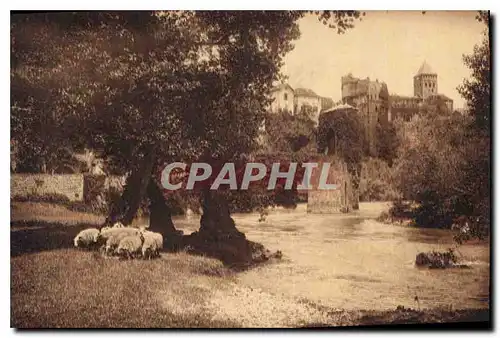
x,y
153,243
86,238
130,246
107,233
113,241
118,225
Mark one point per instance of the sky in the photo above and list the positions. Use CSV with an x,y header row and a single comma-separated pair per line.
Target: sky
x,y
386,45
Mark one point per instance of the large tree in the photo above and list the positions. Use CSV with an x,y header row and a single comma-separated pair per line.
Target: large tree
x,y
146,88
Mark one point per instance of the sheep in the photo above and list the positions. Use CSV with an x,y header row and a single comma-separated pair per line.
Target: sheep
x,y
86,238
106,233
118,225
153,243
130,246
113,241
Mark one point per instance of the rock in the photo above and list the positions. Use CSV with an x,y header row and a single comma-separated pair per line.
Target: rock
x,y
437,260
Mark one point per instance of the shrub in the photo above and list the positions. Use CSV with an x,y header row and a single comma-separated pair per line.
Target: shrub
x,y
443,166
376,182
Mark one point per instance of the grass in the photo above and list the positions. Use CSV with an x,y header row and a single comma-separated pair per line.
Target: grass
x,y
69,288
54,285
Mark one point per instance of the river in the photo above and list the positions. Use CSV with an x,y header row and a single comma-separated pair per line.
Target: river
x,y
351,261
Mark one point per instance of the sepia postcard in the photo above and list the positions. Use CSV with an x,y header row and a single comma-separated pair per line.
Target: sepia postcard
x,y
250,169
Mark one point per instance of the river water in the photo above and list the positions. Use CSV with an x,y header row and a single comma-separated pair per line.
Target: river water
x,y
353,262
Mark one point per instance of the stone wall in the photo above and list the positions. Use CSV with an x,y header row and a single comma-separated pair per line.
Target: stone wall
x,y
76,187
24,185
336,200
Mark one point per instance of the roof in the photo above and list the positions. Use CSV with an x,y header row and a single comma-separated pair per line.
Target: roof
x,y
305,92
339,107
396,97
282,86
442,96
425,69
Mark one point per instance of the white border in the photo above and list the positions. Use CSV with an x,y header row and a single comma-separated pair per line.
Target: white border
x,y
183,4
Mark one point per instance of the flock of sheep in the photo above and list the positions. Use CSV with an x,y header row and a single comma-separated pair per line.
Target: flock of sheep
x,y
121,241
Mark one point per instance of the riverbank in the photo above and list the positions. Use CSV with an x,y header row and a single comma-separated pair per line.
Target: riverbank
x,y
69,288
336,270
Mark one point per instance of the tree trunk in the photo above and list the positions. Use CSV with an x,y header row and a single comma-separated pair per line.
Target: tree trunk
x,y
160,217
216,220
125,209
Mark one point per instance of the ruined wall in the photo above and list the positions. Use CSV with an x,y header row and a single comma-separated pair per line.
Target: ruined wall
x,y
76,187
24,185
338,200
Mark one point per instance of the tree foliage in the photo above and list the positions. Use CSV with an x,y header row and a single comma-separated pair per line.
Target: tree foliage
x,y
341,132
376,181
477,89
439,167
387,142
443,162
184,83
145,88
293,135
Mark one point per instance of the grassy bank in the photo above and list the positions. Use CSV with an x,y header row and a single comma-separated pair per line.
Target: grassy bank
x,y
56,285
68,288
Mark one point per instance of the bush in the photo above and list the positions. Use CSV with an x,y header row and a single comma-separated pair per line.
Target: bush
x,y
376,183
443,166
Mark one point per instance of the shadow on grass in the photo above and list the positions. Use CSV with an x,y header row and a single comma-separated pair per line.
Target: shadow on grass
x,y
37,236
75,289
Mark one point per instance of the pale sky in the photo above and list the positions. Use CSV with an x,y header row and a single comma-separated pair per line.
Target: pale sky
x,y
389,46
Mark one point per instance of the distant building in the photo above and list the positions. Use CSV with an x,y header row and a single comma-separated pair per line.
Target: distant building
x,y
307,98
425,95
285,98
371,98
404,107
436,99
425,82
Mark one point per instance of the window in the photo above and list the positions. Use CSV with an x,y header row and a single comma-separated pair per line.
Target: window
x,y
285,96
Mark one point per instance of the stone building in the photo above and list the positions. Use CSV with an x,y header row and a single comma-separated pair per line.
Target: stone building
x,y
425,82
285,98
371,98
307,98
425,95
404,107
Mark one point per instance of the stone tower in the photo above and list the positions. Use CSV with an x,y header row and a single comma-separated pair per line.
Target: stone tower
x,y
425,82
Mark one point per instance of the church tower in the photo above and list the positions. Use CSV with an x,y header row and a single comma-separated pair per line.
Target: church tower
x,y
425,82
